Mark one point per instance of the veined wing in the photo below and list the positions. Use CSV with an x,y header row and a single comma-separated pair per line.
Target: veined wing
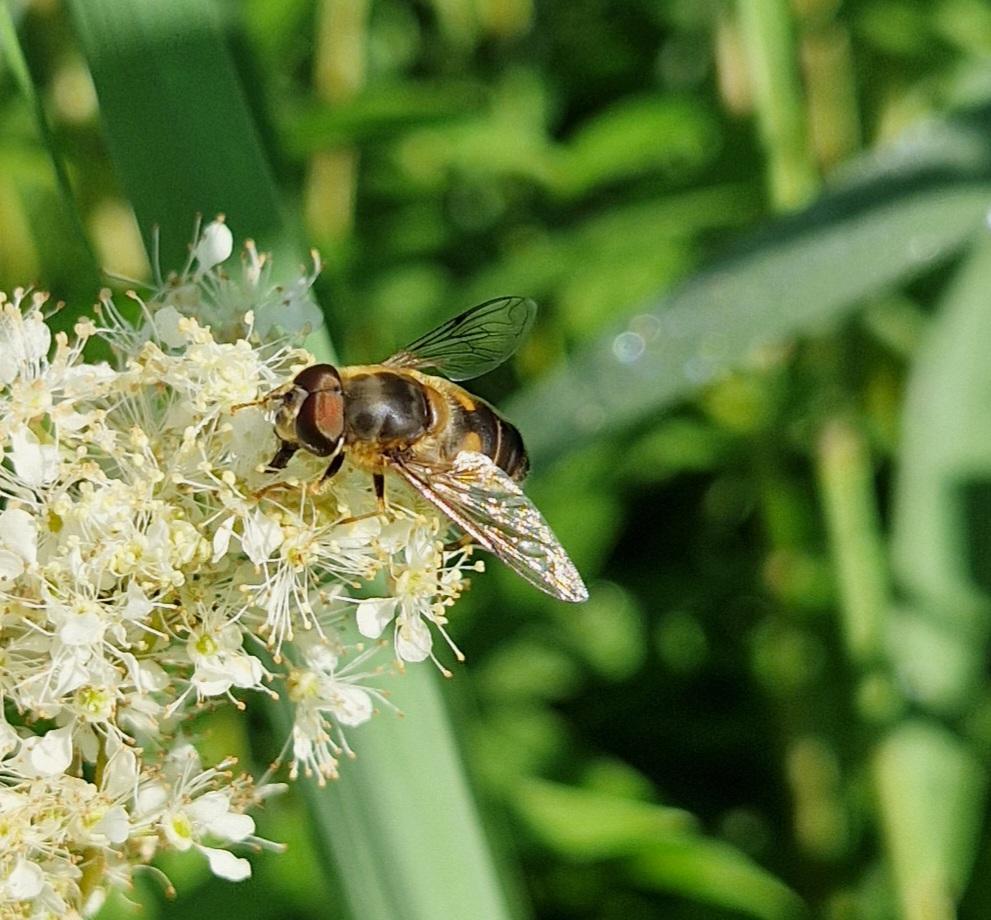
x,y
490,507
472,343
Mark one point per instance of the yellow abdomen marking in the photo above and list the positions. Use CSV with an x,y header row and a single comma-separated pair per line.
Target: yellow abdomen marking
x,y
463,399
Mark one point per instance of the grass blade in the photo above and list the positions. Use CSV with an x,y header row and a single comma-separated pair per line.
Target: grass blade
x,y
70,243
401,821
176,121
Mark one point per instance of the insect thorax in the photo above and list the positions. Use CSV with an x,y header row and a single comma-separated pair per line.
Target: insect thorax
x,y
386,407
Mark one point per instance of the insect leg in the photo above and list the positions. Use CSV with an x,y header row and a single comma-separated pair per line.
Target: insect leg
x,y
335,465
263,400
378,481
282,456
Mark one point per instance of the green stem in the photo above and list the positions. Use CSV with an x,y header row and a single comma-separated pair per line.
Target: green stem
x,y
93,860
852,521
767,30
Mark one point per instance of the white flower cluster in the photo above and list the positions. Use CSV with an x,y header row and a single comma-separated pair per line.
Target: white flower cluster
x,y
150,564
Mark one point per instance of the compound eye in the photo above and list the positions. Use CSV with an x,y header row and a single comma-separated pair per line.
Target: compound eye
x,y
319,377
320,422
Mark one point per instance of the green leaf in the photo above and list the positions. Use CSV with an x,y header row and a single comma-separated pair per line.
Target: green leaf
x,y
895,215
586,825
658,846
716,873
177,123
635,136
379,113
941,548
932,786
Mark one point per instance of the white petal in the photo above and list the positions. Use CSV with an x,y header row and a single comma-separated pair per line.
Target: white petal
x,y
19,534
357,534
8,738
114,825
211,681
167,328
352,705
138,606
72,672
151,799
252,439
52,754
25,881
374,615
209,807
233,826
226,865
222,539
395,535
320,656
150,677
262,536
37,338
35,463
413,640
10,365
83,379
245,670
82,629
11,564
121,773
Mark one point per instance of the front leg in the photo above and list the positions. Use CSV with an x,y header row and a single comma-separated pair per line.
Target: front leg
x,y
334,467
282,456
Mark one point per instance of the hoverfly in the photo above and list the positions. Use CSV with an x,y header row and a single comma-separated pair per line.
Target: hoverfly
x,y
453,448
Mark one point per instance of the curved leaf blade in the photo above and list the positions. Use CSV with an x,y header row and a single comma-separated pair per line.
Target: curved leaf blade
x,y
895,215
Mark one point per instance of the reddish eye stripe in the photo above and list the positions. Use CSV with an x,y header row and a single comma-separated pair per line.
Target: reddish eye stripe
x,y
320,423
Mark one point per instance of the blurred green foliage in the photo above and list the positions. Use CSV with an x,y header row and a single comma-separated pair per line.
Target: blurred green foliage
x,y
762,435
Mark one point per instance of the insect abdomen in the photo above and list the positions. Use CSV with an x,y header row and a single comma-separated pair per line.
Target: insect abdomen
x,y
385,407
480,428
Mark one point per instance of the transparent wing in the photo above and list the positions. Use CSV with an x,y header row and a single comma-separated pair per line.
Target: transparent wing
x,y
472,343
491,508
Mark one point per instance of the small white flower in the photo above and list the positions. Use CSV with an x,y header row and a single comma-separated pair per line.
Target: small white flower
x,y
145,556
